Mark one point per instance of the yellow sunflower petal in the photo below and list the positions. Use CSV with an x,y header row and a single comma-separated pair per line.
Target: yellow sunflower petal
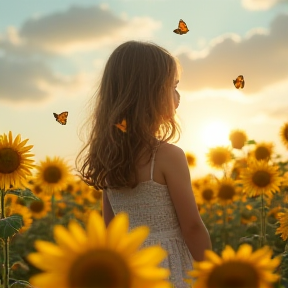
x,y
152,255
48,248
133,240
96,230
244,251
228,253
213,257
117,229
152,273
77,232
48,280
65,240
46,262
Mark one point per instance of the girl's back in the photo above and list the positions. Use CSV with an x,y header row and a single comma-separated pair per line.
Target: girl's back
x,y
149,203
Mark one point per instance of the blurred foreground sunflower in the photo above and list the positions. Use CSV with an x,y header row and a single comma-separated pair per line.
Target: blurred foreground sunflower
x,y
283,229
260,177
237,138
284,134
99,258
241,269
218,156
14,163
52,175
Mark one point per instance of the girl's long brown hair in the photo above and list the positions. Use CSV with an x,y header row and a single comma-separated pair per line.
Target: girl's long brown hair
x,y
137,85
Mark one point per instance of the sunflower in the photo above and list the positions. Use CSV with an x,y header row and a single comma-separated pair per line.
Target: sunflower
x,y
53,175
260,177
283,229
14,162
241,269
205,194
39,208
99,257
238,165
284,134
237,138
191,159
263,151
218,156
227,191
22,211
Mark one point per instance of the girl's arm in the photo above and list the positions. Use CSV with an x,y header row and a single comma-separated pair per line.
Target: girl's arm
x,y
107,209
176,172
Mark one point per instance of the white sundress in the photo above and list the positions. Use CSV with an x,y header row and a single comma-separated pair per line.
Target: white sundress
x,y
149,204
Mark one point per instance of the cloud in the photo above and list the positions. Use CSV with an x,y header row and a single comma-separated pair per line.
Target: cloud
x,y
76,29
261,57
261,4
31,81
26,53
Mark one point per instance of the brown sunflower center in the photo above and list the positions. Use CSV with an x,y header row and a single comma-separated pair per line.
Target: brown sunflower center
x,y
219,158
226,192
52,174
99,269
261,178
37,206
9,160
190,160
37,189
207,194
233,274
286,133
262,153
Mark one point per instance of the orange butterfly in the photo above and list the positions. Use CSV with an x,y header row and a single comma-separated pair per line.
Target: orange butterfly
x,y
61,118
122,126
182,28
239,82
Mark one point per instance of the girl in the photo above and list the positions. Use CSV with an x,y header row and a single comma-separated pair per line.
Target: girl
x,y
129,156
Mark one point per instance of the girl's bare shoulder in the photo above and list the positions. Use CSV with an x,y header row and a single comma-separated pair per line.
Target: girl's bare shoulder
x,y
169,152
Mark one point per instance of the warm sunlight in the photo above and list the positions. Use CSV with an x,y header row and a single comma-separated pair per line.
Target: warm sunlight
x,y
215,133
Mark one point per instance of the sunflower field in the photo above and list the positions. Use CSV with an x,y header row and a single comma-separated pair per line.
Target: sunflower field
x,y
48,223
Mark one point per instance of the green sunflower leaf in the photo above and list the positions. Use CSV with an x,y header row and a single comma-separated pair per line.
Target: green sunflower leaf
x,y
9,226
250,142
26,194
20,284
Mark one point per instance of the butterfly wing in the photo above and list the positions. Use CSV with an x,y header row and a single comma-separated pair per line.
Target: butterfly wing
x,y
122,126
239,82
182,28
61,118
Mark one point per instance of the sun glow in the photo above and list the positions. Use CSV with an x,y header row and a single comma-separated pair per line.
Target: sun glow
x,y
215,133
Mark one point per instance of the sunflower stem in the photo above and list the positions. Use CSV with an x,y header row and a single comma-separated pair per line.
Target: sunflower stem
x,y
53,212
5,243
224,227
2,194
263,221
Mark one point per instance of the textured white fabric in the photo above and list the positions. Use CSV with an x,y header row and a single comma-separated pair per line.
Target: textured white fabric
x,y
149,204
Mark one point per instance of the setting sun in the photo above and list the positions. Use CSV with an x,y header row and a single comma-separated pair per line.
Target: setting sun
x,y
215,133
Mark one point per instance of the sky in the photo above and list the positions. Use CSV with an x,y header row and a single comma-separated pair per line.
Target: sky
x,y
52,55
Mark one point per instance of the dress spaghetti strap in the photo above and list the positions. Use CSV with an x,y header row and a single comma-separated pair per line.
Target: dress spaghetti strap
x,y
153,161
